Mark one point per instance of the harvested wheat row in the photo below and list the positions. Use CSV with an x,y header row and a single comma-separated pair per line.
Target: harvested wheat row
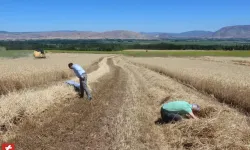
x,y
34,73
219,126
28,103
19,81
212,78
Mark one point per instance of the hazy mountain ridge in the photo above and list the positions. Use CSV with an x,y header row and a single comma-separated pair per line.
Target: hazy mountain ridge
x,y
240,31
116,34
189,34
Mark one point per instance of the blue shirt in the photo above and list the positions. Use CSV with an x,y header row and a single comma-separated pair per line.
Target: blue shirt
x,y
73,83
78,70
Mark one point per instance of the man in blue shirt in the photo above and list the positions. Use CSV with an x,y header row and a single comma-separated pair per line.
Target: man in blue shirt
x,y
81,74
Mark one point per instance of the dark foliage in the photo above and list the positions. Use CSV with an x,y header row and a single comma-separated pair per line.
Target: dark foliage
x,y
111,45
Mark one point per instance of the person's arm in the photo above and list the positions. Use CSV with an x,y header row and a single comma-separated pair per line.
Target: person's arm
x,y
192,115
188,116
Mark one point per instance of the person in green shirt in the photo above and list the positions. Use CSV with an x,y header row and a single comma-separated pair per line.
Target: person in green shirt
x,y
175,110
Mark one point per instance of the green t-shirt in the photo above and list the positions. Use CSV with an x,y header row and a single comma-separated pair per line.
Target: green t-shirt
x,y
179,107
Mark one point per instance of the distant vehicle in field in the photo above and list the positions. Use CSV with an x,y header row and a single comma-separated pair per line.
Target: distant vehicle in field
x,y
39,53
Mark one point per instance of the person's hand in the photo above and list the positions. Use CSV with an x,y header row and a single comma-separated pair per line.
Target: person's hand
x,y
188,116
193,116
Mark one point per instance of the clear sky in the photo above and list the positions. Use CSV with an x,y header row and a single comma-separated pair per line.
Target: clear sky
x,y
134,15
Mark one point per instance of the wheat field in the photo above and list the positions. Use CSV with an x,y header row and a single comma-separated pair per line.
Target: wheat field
x,y
28,72
28,86
127,95
228,82
219,127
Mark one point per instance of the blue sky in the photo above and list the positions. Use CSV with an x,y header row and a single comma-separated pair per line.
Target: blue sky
x,y
134,15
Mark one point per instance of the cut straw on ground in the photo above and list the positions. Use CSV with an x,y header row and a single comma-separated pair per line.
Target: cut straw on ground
x,y
34,73
227,88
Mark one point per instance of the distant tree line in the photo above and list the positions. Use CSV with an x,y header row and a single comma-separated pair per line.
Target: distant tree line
x,y
167,46
111,45
62,45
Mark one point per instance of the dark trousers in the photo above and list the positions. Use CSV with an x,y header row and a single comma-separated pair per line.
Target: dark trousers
x,y
168,117
84,86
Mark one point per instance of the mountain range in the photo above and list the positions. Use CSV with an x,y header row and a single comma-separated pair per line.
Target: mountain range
x,y
239,31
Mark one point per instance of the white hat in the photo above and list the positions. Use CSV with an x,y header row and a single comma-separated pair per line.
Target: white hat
x,y
196,107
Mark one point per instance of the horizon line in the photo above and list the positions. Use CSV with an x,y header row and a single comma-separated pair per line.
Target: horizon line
x,y
117,30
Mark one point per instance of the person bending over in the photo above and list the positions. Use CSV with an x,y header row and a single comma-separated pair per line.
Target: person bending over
x,y
82,75
175,110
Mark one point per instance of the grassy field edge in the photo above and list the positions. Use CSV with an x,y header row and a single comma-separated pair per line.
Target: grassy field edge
x,y
136,53
163,53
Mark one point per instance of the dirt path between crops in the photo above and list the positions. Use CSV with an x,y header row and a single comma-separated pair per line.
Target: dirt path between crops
x,y
122,115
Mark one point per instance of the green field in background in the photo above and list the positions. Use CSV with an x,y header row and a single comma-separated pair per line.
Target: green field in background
x,y
165,53
135,53
15,53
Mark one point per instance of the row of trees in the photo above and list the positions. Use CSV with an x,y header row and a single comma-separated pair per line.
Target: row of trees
x,y
167,46
102,45
61,45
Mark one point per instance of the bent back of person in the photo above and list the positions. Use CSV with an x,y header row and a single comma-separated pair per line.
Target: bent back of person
x,y
173,111
178,107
